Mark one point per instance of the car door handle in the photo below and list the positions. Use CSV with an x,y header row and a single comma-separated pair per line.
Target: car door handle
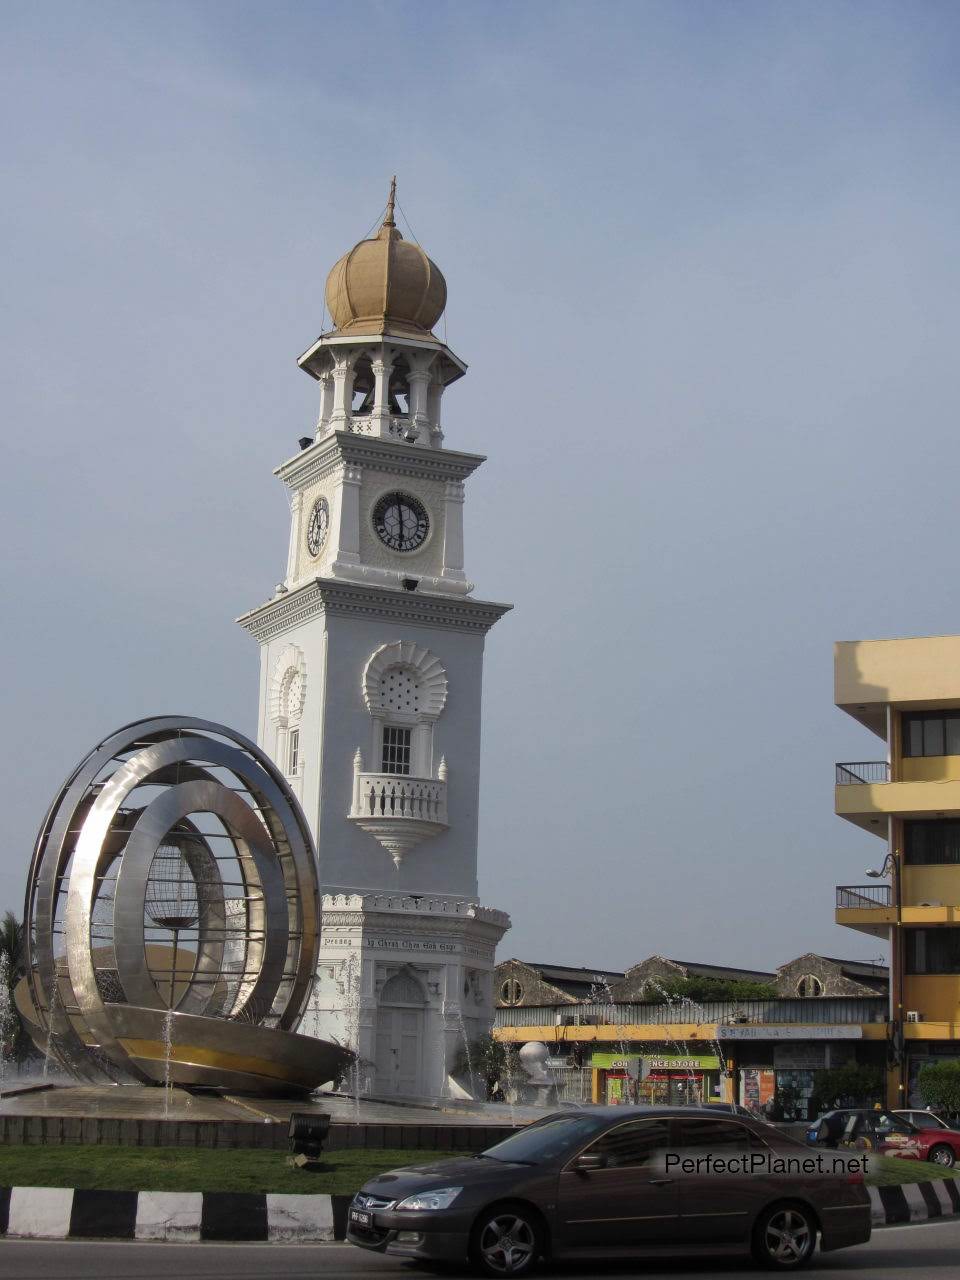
x,y
660,1182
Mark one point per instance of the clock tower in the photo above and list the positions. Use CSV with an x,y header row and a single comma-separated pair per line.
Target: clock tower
x,y
371,655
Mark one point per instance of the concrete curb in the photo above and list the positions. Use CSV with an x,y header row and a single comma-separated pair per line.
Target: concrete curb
x,y
54,1213
914,1202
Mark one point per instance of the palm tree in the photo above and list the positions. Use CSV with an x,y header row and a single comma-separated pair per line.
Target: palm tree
x,y
15,1044
11,945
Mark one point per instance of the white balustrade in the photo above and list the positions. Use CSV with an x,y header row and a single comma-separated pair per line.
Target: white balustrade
x,y
366,424
389,795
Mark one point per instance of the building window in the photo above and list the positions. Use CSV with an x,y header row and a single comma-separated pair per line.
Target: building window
x,y
396,749
808,986
931,733
933,950
931,842
511,992
293,751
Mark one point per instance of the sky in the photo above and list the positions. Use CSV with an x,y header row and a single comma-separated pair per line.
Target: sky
x,y
702,262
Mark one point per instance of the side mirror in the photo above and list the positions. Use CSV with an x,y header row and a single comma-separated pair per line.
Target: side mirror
x,y
583,1164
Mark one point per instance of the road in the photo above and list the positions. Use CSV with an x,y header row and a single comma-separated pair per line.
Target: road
x,y
921,1251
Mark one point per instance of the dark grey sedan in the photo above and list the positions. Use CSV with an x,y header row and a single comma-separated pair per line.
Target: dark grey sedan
x,y
619,1182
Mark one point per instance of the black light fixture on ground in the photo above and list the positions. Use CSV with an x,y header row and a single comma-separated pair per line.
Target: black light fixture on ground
x,y
307,1134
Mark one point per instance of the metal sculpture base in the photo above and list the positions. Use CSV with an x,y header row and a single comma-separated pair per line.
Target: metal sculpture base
x,y
232,1056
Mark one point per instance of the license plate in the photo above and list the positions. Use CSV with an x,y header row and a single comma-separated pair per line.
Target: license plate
x,y
360,1218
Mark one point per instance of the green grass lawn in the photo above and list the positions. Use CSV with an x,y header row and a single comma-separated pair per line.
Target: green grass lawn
x,y
889,1171
192,1169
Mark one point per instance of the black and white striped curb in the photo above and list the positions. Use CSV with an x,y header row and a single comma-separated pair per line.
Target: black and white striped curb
x,y
914,1202
54,1213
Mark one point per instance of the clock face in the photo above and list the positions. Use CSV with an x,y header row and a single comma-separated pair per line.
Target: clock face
x,y
318,526
401,522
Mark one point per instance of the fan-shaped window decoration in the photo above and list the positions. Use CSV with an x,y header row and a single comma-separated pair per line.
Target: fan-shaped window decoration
x,y
402,988
400,691
288,686
404,679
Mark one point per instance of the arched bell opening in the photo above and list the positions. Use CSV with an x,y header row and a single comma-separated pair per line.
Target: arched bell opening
x,y
400,388
364,388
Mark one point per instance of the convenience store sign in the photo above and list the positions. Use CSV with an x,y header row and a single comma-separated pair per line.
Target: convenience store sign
x,y
659,1062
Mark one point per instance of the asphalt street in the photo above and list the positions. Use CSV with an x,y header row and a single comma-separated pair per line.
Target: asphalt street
x,y
927,1249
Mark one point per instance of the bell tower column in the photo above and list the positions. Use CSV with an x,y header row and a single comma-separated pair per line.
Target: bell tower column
x,y
382,367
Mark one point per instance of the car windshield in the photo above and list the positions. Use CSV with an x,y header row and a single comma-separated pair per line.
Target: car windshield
x,y
547,1139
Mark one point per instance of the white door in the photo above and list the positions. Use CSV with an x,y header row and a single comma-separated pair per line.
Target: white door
x,y
400,1028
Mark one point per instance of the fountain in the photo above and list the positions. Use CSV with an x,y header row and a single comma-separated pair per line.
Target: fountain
x,y
688,1006
8,1019
167,1058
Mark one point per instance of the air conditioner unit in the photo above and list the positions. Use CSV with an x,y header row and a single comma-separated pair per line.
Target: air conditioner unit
x,y
914,1015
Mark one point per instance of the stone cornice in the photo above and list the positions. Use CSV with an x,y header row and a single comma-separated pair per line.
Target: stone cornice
x,y
464,929
344,448
325,595
333,339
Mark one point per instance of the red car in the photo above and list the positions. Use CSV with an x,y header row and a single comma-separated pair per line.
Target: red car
x,y
939,1146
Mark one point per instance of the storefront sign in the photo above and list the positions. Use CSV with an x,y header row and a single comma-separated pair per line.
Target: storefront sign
x,y
657,1062
676,1062
771,1032
616,1062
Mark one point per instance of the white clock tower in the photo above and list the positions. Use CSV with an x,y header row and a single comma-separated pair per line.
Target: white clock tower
x,y
371,656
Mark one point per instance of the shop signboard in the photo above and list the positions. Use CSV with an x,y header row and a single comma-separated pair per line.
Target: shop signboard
x,y
634,1064
629,1063
683,1062
772,1031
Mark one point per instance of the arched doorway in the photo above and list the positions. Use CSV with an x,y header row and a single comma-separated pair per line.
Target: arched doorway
x,y
400,1031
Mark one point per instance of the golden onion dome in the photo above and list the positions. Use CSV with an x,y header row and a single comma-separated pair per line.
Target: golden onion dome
x,y
386,285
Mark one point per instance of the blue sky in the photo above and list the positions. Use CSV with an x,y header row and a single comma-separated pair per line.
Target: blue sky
x,y
701,259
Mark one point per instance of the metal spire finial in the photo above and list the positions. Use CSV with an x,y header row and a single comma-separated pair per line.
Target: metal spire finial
x,y
388,220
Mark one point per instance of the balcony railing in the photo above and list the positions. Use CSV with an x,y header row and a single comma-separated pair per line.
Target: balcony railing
x,y
390,795
859,772
365,424
863,895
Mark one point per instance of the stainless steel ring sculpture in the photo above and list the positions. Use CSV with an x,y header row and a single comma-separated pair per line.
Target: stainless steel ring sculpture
x,y
173,916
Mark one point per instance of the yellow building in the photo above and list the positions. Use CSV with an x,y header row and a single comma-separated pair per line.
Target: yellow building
x,y
907,693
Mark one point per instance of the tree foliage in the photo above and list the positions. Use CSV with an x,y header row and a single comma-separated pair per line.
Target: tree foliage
x,y
852,1085
939,1085
488,1062
701,989
15,1044
11,944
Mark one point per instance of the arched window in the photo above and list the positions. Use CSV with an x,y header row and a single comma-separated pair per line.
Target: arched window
x,y
288,690
511,992
809,985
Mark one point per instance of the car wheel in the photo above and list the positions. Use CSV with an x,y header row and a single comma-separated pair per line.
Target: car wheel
x,y
785,1237
507,1241
943,1155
